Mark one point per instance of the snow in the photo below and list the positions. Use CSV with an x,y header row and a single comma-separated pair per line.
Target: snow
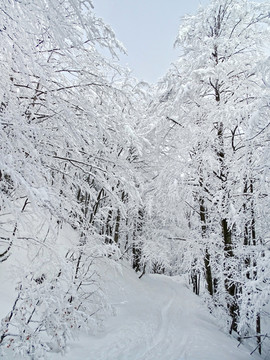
x,y
156,318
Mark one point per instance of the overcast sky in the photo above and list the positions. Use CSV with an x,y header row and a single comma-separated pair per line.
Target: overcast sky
x,y
148,29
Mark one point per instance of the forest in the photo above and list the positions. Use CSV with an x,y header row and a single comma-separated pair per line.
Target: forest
x,y
171,178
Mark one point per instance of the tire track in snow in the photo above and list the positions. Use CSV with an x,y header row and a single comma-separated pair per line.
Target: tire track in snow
x,y
164,339
161,334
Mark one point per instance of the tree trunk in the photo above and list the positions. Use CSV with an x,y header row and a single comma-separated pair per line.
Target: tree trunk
x,y
207,262
229,285
136,250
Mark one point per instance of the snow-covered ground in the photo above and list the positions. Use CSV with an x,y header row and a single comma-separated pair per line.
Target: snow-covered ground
x,y
156,318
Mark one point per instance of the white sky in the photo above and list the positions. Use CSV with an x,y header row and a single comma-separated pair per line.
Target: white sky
x,y
147,29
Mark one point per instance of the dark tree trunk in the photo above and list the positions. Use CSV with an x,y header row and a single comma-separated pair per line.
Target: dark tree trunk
x,y
208,273
207,259
229,284
136,248
117,226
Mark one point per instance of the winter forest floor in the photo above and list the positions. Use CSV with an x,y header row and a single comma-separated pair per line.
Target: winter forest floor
x,y
156,318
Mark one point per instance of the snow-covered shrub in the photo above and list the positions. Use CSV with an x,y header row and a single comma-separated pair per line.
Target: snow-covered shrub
x,y
53,304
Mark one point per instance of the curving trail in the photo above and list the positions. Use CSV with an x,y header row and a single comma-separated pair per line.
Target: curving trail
x,y
157,318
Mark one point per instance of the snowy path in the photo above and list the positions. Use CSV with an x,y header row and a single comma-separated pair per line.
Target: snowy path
x,y
157,318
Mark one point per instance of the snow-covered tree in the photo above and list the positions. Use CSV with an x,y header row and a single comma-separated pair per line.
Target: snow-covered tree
x,y
68,147
214,136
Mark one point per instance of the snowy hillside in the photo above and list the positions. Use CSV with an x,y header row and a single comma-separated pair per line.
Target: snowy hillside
x,y
156,318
